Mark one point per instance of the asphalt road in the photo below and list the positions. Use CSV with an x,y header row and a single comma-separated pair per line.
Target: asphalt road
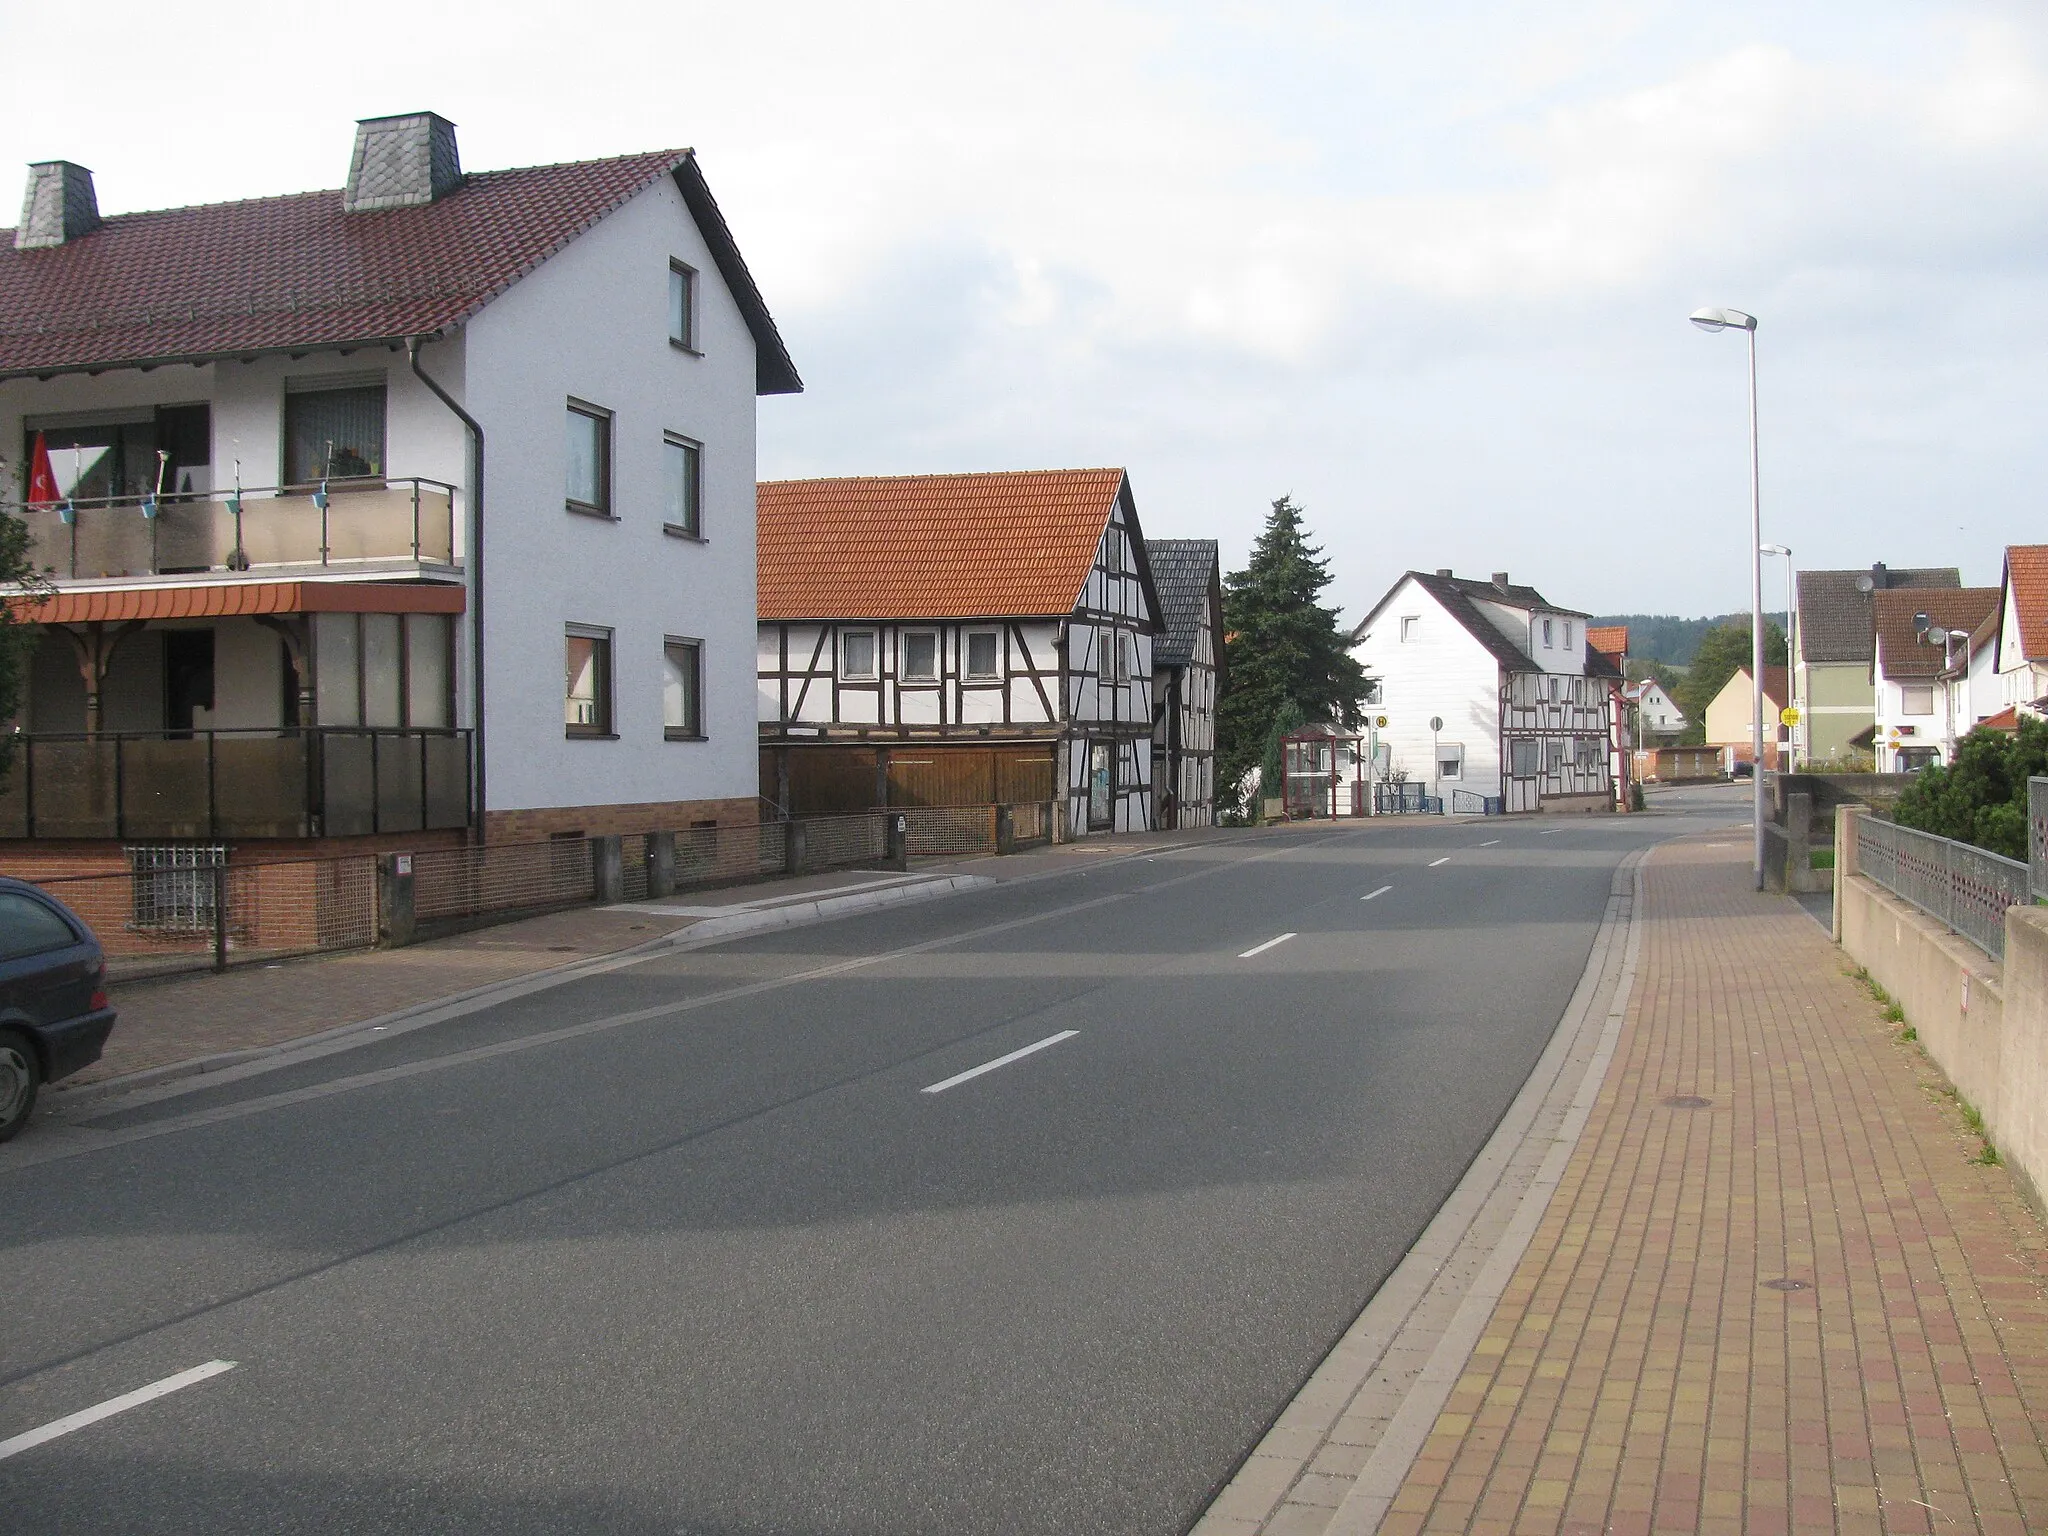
x,y
693,1247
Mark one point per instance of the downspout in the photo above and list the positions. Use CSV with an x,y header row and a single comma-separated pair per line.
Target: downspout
x,y
476,563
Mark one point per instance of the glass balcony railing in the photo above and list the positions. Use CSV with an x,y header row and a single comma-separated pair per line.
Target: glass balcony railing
x,y
374,523
333,781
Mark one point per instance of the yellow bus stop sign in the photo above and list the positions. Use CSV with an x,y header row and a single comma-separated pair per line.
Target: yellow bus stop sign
x,y
1789,716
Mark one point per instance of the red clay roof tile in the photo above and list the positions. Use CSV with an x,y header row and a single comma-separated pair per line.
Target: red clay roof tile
x,y
1004,544
2027,574
1900,650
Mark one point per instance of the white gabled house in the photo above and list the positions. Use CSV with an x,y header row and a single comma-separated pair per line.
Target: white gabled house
x,y
2020,653
1920,672
1526,708
415,510
1659,713
957,640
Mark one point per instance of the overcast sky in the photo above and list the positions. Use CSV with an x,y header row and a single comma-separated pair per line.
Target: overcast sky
x,y
1425,266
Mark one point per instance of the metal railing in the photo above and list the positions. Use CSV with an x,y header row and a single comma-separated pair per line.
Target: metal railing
x,y
162,786
256,528
1406,799
1966,888
1465,803
2037,836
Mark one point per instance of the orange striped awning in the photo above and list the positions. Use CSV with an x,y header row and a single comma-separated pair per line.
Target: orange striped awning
x,y
233,599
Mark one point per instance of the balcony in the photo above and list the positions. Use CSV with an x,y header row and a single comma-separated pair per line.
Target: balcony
x,y
332,781
382,523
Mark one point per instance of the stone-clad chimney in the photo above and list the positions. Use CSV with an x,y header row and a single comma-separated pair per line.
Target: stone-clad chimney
x,y
402,162
1500,580
60,206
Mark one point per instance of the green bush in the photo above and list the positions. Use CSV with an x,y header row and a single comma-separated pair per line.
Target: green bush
x,y
1982,797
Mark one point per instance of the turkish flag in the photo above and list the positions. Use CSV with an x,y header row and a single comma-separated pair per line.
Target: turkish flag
x,y
42,480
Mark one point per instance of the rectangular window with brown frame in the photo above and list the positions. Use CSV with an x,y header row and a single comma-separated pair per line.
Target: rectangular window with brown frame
x,y
587,691
682,463
588,486
682,689
682,305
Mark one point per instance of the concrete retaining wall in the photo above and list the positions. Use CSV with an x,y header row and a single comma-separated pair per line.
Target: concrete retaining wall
x,y
1985,1025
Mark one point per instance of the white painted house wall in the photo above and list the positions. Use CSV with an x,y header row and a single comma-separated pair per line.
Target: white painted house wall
x,y
592,323
1441,671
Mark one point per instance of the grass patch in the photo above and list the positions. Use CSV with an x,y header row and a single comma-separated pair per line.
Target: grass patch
x,y
1909,1033
1989,1156
1821,858
1973,1117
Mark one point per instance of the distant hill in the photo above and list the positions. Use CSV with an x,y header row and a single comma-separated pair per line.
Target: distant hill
x,y
1667,638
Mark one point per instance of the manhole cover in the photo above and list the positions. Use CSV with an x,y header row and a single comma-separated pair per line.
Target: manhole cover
x,y
1787,1285
1687,1101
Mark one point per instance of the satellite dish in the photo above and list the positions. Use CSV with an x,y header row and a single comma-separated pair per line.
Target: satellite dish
x,y
1865,584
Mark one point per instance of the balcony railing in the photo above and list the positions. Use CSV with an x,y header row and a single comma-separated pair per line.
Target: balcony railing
x,y
249,530
334,781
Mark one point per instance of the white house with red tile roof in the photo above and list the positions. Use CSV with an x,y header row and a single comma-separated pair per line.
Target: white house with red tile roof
x,y
1920,673
419,506
2020,653
957,640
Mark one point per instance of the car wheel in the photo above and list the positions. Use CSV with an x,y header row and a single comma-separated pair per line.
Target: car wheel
x,y
20,1076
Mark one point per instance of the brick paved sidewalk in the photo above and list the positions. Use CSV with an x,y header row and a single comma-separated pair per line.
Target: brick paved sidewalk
x,y
1643,1373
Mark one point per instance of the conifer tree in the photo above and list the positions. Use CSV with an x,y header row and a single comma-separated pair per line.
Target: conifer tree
x,y
1281,645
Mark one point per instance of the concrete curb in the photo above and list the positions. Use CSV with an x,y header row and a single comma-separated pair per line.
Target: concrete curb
x,y
437,1010
1383,1384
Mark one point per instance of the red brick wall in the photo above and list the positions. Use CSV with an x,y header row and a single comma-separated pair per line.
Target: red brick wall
x,y
538,825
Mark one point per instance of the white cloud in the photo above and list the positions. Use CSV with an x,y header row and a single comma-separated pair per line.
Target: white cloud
x,y
1426,266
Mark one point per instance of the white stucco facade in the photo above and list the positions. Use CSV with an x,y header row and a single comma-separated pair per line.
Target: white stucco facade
x,y
591,325
1428,666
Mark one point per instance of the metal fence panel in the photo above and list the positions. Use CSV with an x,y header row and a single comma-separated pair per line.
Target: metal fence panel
x,y
839,842
1964,888
466,882
941,829
2037,837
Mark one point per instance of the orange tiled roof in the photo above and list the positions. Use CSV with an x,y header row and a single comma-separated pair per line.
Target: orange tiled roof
x,y
1009,543
1608,639
2026,568
2007,720
231,598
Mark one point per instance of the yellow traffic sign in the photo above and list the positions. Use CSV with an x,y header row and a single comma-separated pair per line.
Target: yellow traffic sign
x,y
1788,715
1380,721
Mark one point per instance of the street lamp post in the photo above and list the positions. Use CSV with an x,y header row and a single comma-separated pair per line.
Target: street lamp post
x,y
1791,625
1723,320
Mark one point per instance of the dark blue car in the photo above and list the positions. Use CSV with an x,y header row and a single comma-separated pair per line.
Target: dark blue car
x,y
54,1017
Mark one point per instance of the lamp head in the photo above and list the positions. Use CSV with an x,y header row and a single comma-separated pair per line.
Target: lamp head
x,y
1723,320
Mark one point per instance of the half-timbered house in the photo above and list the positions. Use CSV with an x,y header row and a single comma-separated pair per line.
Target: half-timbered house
x,y
966,639
1187,673
1490,694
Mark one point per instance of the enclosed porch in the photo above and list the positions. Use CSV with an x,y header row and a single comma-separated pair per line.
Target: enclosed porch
x,y
250,710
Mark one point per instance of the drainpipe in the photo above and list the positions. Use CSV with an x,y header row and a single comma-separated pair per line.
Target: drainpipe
x,y
476,562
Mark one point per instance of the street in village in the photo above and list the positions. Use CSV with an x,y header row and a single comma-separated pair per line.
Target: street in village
x,y
1027,1209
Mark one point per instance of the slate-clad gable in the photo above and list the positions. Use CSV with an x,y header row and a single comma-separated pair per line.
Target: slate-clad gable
x,y
1182,569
